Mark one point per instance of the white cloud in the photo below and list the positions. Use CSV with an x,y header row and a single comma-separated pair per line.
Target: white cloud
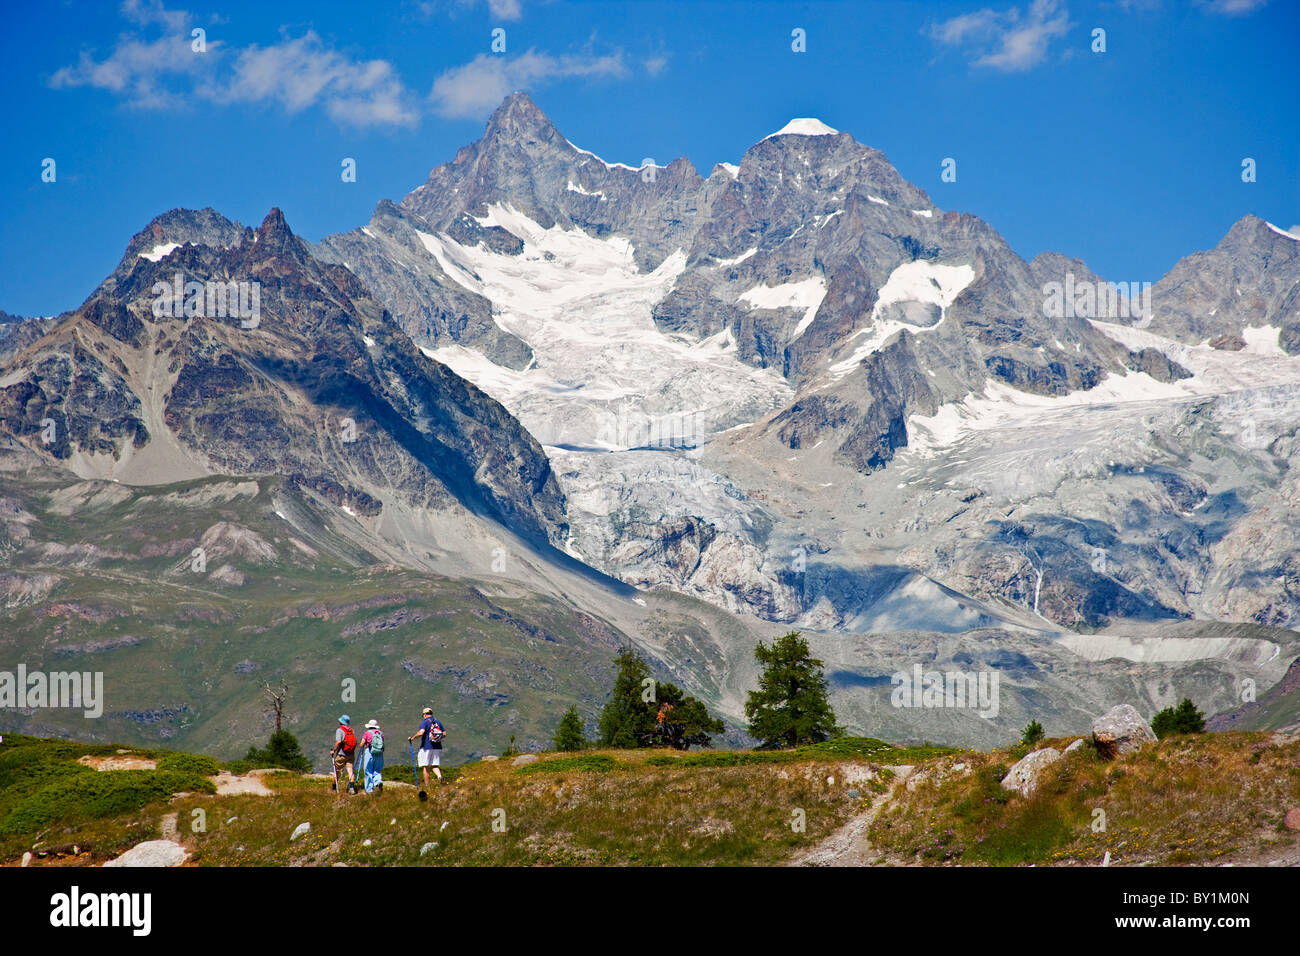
x,y
149,12
1011,40
505,9
474,89
500,9
1227,8
296,73
156,68
1232,8
303,72
980,25
141,72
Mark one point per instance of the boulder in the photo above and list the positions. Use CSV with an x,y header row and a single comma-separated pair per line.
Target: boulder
x,y
1024,776
524,758
1121,730
1292,819
153,853
1077,745
428,847
301,829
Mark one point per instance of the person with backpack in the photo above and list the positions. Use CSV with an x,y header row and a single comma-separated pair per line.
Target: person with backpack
x,y
431,734
372,757
344,753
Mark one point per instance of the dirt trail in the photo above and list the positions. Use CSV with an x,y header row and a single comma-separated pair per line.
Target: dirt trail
x,y
229,783
850,845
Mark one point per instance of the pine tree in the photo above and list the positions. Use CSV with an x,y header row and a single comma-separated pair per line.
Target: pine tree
x,y
1033,734
682,721
570,735
282,750
1183,719
791,706
641,712
628,719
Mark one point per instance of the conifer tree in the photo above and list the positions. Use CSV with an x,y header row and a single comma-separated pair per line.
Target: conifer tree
x,y
791,706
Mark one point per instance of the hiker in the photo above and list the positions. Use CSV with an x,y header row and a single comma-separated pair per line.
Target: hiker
x,y
344,752
430,734
372,757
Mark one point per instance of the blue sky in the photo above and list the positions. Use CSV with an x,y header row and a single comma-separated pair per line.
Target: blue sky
x,y
1128,159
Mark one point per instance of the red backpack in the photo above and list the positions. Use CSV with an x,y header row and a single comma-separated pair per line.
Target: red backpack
x,y
349,739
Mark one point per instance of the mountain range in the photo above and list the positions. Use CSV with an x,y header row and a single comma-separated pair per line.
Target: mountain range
x,y
658,408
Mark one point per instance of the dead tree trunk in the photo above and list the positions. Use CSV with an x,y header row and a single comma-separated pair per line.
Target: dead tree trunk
x,y
277,697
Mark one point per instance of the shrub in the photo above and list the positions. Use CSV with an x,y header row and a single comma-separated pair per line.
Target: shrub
x,y
97,794
1033,734
1183,719
197,764
281,751
593,763
31,774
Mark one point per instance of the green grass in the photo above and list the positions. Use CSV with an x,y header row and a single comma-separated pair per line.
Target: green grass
x,y
1190,799
593,763
1183,800
841,748
601,807
94,795
559,814
42,785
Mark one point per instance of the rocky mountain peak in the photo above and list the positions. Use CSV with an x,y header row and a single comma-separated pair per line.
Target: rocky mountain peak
x,y
518,118
274,233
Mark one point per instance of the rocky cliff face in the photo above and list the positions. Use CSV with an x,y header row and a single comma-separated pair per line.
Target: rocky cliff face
x,y
1250,280
802,362
795,388
271,362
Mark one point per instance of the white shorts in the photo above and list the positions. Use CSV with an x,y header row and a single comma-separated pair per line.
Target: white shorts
x,y
429,758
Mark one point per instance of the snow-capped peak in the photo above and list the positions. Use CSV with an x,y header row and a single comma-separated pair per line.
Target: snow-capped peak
x,y
804,126
160,251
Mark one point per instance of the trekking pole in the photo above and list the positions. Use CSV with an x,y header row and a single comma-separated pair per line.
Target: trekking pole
x,y
334,767
416,773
